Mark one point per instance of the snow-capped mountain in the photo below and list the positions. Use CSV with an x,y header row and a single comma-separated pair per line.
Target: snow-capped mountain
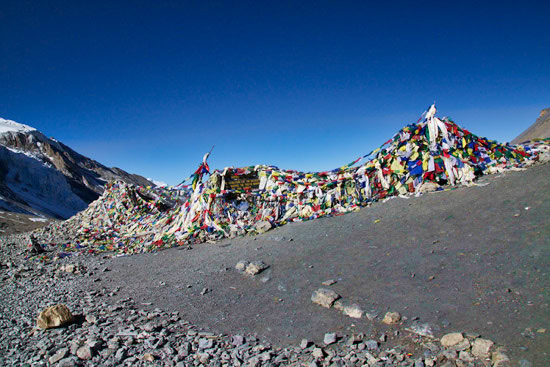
x,y
40,175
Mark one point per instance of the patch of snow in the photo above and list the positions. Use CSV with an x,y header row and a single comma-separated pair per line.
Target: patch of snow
x,y
9,125
38,219
34,155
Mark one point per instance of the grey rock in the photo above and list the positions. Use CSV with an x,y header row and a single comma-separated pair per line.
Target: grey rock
x,y
330,338
67,362
324,297
237,340
481,347
84,352
59,355
318,353
205,343
371,344
422,329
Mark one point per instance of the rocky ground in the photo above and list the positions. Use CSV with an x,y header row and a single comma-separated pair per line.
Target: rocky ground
x,y
466,270
12,223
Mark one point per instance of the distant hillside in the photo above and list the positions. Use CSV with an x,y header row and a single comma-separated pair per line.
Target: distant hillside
x,y
539,130
40,175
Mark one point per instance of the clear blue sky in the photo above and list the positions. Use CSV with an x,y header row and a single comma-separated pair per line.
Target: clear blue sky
x,y
149,86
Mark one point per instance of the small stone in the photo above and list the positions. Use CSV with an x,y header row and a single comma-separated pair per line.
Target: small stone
x,y
69,268
84,352
371,316
448,340
304,343
91,319
330,338
204,291
348,309
391,318
353,311
256,267
318,353
54,316
465,356
59,355
324,297
481,347
329,282
424,329
120,354
371,344
241,265
205,343
148,357
67,362
237,340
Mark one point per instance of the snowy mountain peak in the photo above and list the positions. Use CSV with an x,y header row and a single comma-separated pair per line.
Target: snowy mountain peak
x,y
12,126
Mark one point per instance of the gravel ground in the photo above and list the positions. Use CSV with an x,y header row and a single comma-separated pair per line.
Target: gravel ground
x,y
471,260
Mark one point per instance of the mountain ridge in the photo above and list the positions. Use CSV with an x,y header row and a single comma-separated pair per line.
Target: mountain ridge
x,y
22,147
540,129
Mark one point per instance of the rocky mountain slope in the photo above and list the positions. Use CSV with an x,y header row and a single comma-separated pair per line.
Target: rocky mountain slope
x,y
40,175
539,130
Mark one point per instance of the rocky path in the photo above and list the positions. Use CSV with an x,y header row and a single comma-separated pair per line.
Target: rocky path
x,y
469,265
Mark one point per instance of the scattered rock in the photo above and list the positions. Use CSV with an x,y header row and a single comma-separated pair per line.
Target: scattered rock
x,y
84,352
371,344
330,338
324,297
205,343
422,329
500,359
91,319
351,310
329,282
256,267
391,318
237,340
59,355
481,347
241,265
318,353
148,357
304,343
54,316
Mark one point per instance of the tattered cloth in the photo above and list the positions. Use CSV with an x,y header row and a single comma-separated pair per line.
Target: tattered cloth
x,y
433,151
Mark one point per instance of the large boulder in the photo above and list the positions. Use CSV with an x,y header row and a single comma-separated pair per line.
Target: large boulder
x,y
54,316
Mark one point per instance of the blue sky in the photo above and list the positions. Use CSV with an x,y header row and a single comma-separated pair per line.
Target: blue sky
x,y
149,86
